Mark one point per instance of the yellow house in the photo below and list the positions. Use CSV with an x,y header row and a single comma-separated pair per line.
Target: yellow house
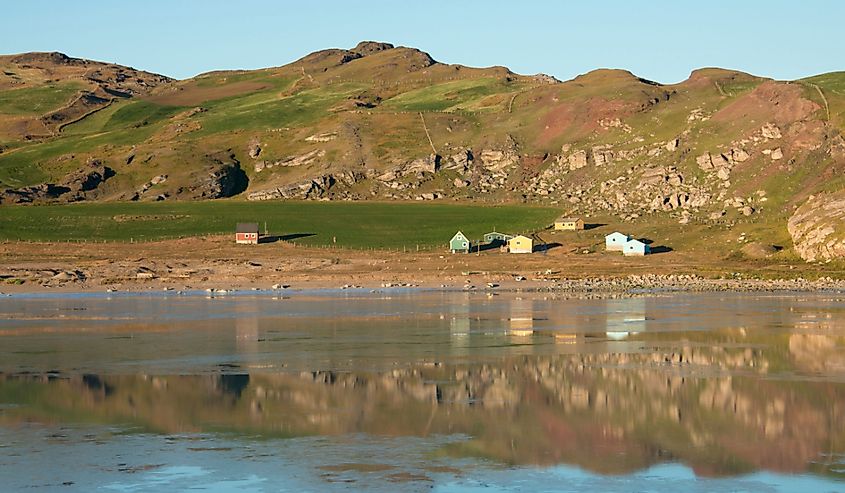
x,y
569,223
520,244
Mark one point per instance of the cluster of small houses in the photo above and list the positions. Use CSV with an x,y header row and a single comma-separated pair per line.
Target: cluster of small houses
x,y
522,244
248,233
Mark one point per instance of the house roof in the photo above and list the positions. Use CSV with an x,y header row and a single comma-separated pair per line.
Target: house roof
x,y
521,236
634,242
565,219
247,228
616,234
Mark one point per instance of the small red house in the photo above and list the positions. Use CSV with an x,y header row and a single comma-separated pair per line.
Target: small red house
x,y
247,233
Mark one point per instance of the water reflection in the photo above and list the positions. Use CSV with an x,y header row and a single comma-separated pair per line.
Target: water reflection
x,y
725,384
608,413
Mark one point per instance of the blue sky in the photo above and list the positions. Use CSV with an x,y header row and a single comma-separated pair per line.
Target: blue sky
x,y
658,40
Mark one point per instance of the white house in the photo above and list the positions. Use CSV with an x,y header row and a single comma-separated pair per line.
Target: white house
x,y
635,247
616,241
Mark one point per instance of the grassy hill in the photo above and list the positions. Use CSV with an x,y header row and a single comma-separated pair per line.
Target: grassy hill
x,y
721,148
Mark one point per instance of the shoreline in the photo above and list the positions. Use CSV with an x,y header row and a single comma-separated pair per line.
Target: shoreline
x,y
611,287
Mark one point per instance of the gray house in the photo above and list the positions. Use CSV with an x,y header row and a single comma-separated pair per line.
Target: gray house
x,y
497,238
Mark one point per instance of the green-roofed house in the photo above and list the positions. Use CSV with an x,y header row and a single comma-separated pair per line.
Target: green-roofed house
x,y
459,243
496,238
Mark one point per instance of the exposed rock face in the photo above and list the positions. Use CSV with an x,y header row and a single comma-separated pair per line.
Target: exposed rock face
x,y
370,47
88,178
224,178
292,161
428,164
818,228
308,189
27,195
322,137
73,187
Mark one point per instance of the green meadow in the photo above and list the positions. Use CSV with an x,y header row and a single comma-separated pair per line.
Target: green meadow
x,y
351,224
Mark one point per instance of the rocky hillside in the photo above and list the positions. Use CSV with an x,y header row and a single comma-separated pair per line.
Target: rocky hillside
x,y
384,122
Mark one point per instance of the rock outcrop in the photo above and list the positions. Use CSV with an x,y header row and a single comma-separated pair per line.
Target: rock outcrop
x,y
818,228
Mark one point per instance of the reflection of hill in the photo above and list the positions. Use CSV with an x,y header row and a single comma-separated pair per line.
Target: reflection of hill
x,y
605,412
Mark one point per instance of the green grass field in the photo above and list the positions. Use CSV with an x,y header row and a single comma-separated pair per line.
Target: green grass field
x,y
37,100
353,224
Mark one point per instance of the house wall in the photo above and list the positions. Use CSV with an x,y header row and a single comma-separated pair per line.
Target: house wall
x,y
635,249
569,225
521,246
617,245
246,237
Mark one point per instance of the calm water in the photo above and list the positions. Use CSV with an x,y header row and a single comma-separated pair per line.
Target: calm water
x,y
425,391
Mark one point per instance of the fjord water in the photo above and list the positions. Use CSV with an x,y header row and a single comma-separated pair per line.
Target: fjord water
x,y
413,391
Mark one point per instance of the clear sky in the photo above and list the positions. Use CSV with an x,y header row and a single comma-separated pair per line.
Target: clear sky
x,y
659,40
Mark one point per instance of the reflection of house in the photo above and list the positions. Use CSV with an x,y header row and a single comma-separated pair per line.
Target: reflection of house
x,y
459,243
635,247
625,317
521,244
521,326
246,233
521,320
616,241
566,338
569,223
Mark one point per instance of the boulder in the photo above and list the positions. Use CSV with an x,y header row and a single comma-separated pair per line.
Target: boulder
x,y
770,131
498,160
254,150
757,250
672,144
720,161
428,164
739,155
602,156
577,160
704,162
776,154
460,160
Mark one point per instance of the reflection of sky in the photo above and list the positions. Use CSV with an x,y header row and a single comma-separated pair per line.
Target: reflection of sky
x,y
152,463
